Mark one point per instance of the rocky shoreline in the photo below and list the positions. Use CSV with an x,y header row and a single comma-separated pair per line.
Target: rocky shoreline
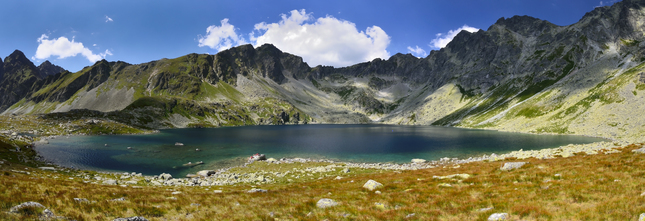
x,y
321,168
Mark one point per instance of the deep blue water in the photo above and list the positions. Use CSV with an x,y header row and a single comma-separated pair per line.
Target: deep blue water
x,y
223,147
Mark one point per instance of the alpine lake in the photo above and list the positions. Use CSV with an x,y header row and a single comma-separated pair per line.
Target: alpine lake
x,y
217,148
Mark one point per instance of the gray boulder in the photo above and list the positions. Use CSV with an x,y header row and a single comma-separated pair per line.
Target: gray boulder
x,y
17,208
134,218
498,216
205,173
254,190
641,150
372,185
165,176
325,202
110,182
512,165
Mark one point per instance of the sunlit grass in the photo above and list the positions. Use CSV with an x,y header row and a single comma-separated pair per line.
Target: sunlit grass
x,y
583,187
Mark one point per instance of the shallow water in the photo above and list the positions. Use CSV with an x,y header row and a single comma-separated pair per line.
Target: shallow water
x,y
224,147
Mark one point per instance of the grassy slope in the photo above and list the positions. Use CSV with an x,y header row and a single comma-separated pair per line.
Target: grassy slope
x,y
590,187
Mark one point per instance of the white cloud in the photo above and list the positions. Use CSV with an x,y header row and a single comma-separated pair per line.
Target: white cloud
x,y
64,48
417,51
221,37
108,19
443,39
605,3
323,41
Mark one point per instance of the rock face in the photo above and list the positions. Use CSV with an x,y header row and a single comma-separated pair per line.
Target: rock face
x,y
371,185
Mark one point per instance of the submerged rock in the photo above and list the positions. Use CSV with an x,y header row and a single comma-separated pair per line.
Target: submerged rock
x,y
419,161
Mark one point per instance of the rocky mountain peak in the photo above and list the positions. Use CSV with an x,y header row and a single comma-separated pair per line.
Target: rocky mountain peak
x,y
47,68
17,56
623,20
17,62
524,25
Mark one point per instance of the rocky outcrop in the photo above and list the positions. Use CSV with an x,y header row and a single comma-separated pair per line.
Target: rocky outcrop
x,y
47,68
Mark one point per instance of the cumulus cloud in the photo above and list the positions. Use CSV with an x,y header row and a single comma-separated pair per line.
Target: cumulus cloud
x,y
417,51
221,37
108,19
63,48
442,39
323,41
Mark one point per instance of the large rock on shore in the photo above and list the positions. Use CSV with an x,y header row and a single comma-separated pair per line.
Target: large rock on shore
x,y
165,176
205,173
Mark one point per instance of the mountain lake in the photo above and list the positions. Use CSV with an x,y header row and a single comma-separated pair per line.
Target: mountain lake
x,y
158,153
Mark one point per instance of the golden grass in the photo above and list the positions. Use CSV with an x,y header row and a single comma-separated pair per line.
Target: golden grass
x,y
588,187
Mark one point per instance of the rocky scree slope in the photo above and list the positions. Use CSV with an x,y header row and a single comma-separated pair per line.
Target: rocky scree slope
x,y
521,74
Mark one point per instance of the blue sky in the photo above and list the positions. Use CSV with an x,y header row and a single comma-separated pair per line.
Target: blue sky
x,y
74,34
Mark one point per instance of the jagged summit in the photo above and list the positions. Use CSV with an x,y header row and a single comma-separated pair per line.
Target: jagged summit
x,y
47,68
522,74
525,25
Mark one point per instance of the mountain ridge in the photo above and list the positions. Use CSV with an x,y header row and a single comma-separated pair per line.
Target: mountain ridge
x,y
521,74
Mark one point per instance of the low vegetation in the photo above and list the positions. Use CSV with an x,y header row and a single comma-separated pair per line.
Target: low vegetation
x,y
582,187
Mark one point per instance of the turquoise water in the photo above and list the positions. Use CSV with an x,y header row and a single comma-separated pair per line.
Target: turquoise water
x,y
224,147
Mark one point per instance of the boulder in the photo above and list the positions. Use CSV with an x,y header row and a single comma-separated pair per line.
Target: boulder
x,y
205,173
325,202
165,176
110,182
81,200
24,205
498,216
512,165
134,218
641,150
256,157
419,161
47,168
372,185
254,190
